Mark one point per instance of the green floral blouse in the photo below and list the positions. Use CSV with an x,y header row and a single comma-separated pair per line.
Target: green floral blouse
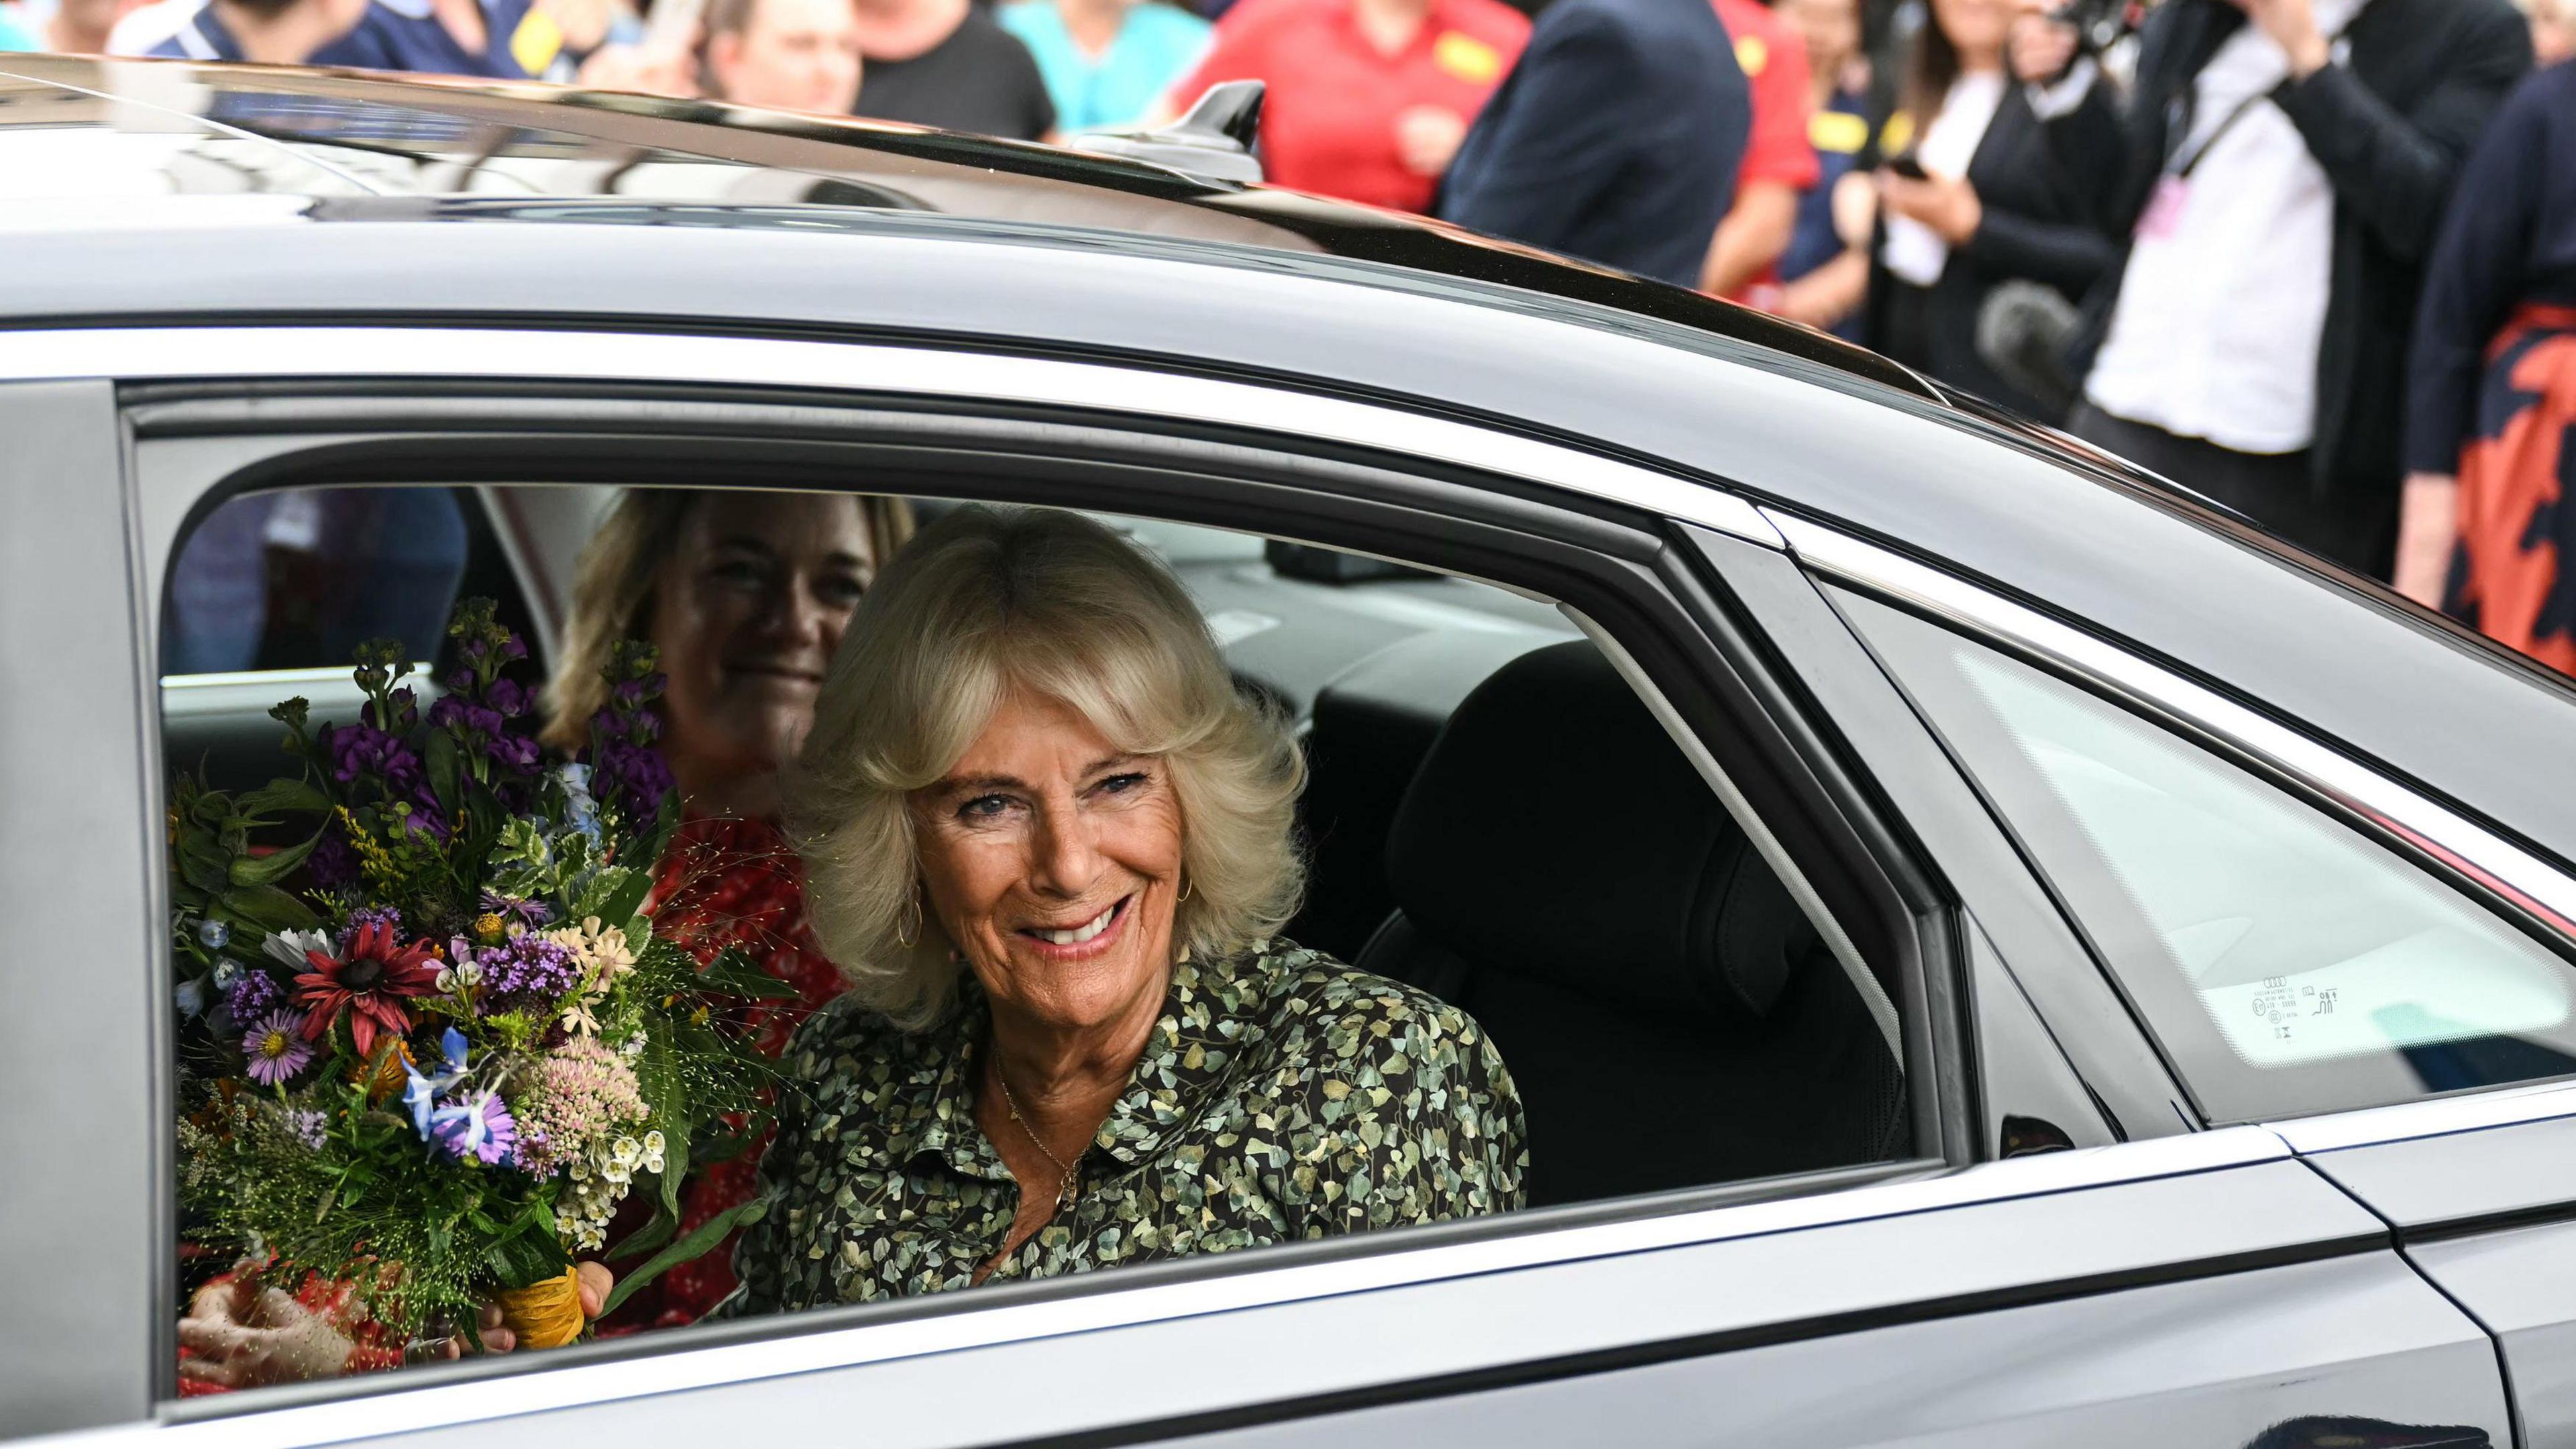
x,y
1284,1095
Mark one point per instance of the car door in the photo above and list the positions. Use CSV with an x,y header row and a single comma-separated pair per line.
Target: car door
x,y
2404,985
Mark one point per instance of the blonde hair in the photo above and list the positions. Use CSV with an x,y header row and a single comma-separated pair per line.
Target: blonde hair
x,y
986,601
612,591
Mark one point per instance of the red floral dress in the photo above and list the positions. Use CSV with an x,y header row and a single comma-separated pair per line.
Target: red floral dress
x,y
727,883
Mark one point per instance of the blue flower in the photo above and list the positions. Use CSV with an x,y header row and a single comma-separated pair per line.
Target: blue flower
x,y
214,935
420,1093
577,798
192,996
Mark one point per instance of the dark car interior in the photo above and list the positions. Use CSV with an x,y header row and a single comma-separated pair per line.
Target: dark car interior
x,y
1492,814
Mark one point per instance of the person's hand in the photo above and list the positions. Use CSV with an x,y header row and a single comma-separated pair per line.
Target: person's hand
x,y
2427,529
2041,47
241,1337
2292,24
1946,204
1807,304
1855,208
1427,137
642,69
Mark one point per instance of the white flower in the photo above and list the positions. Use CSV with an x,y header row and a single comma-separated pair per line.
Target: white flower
x,y
627,1152
459,976
617,1172
290,946
633,1047
653,1144
577,1019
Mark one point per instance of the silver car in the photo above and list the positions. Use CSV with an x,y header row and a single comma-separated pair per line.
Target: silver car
x,y
2108,978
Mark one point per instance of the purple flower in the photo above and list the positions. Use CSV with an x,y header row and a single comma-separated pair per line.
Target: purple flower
x,y
512,908
358,749
525,967
481,722
253,996
479,1127
307,1127
634,777
277,1048
333,863
365,916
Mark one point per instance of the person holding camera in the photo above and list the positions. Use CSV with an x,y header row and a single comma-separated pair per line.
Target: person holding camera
x,y
1972,206
2278,174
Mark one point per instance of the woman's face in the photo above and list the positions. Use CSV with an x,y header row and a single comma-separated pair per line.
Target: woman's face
x,y
1053,863
747,611
1976,27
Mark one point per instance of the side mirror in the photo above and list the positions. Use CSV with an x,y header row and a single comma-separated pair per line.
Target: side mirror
x,y
1214,141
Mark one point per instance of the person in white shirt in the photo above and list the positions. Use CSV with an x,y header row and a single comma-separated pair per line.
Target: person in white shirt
x,y
2278,175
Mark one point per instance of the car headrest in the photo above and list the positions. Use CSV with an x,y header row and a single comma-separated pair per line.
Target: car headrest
x,y
1555,832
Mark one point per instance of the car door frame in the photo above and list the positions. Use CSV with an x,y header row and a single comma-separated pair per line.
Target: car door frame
x,y
162,512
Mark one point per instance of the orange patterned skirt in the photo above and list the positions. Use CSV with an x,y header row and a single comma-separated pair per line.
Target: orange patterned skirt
x,y
2516,520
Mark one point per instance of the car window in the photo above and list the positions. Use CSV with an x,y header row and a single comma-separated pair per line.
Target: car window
x,y
2286,963
295,579
501,977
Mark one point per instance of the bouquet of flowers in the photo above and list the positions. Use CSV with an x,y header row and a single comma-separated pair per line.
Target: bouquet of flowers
x,y
441,1041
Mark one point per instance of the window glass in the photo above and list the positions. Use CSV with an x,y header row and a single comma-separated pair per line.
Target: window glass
x,y
495,978
2287,963
295,580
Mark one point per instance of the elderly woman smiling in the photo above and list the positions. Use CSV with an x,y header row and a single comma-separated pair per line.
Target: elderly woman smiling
x,y
1049,843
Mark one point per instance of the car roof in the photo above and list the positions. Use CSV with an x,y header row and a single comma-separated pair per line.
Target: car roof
x,y
170,144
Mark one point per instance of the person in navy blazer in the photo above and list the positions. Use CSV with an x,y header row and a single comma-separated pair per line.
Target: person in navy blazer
x,y
1615,139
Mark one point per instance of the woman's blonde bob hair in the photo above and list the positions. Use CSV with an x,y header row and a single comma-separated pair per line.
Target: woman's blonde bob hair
x,y
986,601
612,591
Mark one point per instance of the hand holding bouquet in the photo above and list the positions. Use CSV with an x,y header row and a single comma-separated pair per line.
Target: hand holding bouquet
x,y
441,1042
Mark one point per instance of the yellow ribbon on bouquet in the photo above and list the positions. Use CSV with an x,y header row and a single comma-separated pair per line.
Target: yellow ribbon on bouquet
x,y
547,1314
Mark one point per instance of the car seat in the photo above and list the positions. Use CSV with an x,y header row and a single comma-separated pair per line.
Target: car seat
x,y
1669,1015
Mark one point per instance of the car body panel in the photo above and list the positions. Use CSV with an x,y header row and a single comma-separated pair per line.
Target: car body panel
x,y
2252,1359
84,1155
1169,1352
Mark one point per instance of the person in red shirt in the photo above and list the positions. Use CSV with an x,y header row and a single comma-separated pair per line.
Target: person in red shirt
x,y
1779,163
1367,99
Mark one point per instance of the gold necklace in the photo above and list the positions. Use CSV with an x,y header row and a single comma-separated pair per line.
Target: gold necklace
x,y
1065,1184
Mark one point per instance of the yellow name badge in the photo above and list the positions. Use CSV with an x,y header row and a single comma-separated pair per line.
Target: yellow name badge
x,y
1840,132
1751,55
536,43
1469,59
1897,134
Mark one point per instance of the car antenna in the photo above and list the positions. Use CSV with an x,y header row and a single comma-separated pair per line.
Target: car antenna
x,y
1214,141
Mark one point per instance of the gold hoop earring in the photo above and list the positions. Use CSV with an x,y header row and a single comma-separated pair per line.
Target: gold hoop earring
x,y
907,939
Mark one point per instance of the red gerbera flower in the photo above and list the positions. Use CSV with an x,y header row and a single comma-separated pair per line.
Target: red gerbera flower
x,y
372,975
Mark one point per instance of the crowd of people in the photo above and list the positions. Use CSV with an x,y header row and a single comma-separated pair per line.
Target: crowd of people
x,y
2315,259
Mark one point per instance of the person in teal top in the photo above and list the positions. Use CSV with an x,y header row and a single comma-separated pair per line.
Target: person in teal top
x,y
1106,63
16,34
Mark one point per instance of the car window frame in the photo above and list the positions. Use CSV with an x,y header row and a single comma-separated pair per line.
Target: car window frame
x,y
346,453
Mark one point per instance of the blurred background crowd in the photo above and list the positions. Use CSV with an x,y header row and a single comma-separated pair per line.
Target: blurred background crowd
x,y
2313,258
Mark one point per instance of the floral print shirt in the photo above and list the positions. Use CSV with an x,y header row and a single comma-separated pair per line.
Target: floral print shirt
x,y
1283,1095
